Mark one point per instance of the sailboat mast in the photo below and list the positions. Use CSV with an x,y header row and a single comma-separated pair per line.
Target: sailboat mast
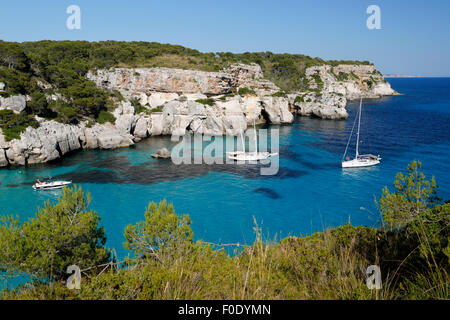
x,y
242,140
357,134
242,137
256,138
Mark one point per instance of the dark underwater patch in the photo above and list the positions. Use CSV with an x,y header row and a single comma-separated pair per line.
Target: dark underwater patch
x,y
91,176
268,192
114,162
290,155
159,171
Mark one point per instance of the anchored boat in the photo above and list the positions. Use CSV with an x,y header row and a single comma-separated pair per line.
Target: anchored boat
x,y
360,160
49,185
249,156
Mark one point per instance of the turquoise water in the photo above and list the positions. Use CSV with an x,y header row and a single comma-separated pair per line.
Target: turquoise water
x,y
310,192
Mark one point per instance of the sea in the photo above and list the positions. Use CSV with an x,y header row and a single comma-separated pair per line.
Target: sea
x,y
309,193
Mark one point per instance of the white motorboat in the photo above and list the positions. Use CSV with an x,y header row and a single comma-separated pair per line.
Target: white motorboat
x,y
49,185
360,160
251,155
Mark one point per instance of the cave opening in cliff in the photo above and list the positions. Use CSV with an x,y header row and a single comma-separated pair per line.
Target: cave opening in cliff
x,y
265,116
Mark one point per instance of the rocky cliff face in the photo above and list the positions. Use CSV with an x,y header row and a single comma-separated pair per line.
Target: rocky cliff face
x,y
191,101
15,103
331,87
176,82
352,81
163,80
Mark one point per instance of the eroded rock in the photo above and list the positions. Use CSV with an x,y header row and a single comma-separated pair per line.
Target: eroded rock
x,y
162,153
16,103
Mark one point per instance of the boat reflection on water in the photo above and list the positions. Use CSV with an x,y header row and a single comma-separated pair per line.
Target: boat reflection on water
x,y
359,173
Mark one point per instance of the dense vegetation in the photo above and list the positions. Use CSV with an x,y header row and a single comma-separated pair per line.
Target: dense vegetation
x,y
412,250
63,64
61,234
13,124
59,68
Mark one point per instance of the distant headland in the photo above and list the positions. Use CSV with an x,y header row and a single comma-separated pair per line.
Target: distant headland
x,y
404,76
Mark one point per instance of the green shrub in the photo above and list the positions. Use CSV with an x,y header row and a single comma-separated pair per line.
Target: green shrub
x,y
354,76
161,233
106,116
118,95
341,76
207,101
225,96
279,94
17,82
138,108
65,113
60,234
318,80
13,124
299,99
157,109
38,104
369,83
244,91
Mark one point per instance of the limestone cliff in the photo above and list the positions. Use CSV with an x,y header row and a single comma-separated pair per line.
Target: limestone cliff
x,y
176,101
330,88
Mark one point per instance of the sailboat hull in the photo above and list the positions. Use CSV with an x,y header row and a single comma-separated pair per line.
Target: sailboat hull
x,y
357,163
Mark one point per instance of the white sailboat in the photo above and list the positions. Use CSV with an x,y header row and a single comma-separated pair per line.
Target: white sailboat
x,y
249,156
360,160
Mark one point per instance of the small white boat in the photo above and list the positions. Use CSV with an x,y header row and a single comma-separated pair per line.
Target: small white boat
x,y
250,156
365,160
49,185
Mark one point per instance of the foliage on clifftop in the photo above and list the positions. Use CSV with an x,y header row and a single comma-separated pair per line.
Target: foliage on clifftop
x,y
14,124
64,63
58,69
412,251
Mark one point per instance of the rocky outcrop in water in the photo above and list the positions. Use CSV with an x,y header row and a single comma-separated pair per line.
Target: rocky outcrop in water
x,y
162,153
176,101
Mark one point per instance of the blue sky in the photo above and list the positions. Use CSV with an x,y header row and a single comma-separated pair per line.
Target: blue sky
x,y
414,35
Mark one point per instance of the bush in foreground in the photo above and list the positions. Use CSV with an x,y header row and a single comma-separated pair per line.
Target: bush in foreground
x,y
60,235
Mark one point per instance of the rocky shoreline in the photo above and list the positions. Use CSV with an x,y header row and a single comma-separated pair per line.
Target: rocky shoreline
x,y
176,101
